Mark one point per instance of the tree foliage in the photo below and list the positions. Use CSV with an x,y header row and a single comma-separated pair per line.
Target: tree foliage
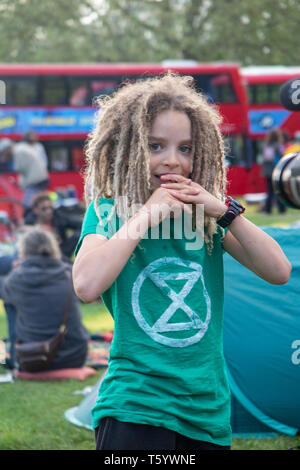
x,y
248,32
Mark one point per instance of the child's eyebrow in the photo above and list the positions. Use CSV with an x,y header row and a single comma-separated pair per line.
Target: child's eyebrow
x,y
153,137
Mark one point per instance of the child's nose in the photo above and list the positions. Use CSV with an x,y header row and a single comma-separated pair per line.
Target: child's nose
x,y
172,158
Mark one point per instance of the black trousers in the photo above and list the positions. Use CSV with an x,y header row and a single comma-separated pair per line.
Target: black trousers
x,y
272,198
116,435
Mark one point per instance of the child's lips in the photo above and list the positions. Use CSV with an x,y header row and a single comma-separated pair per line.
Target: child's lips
x,y
164,179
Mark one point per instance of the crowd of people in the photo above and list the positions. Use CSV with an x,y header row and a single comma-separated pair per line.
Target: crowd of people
x,y
34,278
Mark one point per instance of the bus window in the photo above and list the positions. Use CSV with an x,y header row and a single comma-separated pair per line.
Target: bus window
x,y
257,146
222,88
20,91
59,159
79,91
65,155
54,90
235,150
274,92
83,90
251,93
264,93
105,86
218,88
58,155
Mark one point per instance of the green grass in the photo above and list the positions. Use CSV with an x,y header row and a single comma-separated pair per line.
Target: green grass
x,y
275,219
32,413
96,318
32,416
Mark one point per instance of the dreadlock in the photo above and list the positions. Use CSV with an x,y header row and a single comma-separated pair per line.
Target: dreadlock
x,y
117,152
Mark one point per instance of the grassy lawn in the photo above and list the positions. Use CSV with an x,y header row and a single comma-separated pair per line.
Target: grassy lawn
x,y
275,219
32,413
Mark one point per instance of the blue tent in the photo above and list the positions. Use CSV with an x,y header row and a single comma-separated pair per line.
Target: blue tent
x,y
262,343
81,415
261,347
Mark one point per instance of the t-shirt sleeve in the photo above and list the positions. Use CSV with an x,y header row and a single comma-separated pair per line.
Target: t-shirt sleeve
x,y
106,225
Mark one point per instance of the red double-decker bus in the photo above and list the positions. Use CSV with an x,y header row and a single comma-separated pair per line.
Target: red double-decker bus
x,y
265,111
56,101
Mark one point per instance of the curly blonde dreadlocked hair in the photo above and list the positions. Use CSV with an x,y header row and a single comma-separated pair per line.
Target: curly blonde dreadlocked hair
x,y
117,150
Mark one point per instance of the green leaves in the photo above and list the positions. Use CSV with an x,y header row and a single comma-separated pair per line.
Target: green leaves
x,y
248,32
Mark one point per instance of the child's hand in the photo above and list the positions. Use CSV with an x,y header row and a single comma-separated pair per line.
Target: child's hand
x,y
162,204
178,187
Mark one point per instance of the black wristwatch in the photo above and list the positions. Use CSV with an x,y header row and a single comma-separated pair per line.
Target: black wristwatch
x,y
234,209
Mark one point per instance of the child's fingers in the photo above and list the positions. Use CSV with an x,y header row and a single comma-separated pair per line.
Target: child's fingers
x,y
181,187
175,178
183,196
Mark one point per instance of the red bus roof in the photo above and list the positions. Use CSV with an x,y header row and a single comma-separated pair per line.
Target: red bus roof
x,y
269,74
109,68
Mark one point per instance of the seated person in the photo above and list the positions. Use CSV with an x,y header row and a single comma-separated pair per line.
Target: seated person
x,y
6,265
56,221
38,287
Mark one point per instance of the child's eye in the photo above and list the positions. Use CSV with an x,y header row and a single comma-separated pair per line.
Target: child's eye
x,y
185,148
154,147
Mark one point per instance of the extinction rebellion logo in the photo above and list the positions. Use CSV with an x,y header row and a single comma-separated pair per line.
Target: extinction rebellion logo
x,y
174,280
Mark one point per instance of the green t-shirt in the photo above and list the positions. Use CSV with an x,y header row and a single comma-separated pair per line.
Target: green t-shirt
x,y
166,366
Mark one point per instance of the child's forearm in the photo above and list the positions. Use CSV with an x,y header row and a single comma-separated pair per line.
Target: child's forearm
x,y
96,270
264,254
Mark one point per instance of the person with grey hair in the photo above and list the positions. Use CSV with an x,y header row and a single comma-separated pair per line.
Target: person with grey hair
x,y
38,288
38,242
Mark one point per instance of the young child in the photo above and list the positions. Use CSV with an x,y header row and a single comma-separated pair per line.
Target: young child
x,y
157,152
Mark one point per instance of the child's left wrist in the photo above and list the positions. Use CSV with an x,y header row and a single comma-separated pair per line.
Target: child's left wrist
x,y
233,209
221,209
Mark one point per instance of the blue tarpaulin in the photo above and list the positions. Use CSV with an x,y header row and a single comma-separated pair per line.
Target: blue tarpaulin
x,y
262,340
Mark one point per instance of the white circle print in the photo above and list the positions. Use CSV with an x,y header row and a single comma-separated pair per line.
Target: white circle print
x,y
195,325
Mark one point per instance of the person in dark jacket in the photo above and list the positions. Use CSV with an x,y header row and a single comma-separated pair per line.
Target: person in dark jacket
x,y
56,221
272,151
38,288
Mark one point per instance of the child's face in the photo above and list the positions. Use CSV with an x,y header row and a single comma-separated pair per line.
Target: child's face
x,y
170,144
